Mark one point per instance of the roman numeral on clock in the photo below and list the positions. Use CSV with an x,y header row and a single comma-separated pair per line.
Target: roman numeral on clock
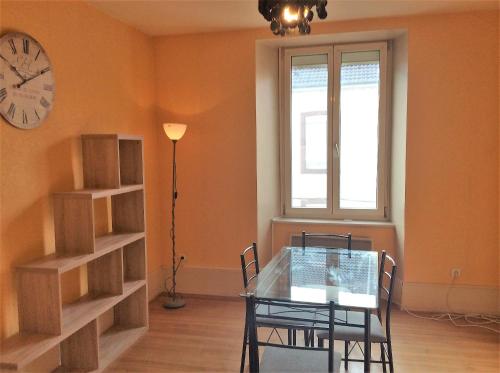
x,y
36,113
12,46
44,102
25,118
37,54
26,46
12,110
3,94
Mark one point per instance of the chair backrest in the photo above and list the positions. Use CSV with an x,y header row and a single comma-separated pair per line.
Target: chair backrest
x,y
347,237
287,321
357,243
386,278
246,267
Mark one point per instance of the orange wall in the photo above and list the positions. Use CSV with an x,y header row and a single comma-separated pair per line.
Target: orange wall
x,y
104,73
452,155
208,81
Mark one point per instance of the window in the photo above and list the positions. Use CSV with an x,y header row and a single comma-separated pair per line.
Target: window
x,y
334,104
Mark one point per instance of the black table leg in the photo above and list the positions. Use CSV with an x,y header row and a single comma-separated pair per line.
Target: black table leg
x,y
368,343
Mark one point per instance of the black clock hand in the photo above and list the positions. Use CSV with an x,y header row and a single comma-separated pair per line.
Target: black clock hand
x,y
43,71
12,68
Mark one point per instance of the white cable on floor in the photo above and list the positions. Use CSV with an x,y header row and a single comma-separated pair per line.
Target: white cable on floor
x,y
453,316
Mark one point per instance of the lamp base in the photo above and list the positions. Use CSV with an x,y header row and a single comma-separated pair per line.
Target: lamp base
x,y
174,303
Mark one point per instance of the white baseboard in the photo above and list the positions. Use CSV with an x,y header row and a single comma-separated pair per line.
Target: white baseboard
x,y
209,281
462,298
413,296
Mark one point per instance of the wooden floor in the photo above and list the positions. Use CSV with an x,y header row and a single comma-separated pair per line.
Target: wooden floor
x,y
206,336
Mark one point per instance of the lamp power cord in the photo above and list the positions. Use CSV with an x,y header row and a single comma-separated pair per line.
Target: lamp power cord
x,y
474,320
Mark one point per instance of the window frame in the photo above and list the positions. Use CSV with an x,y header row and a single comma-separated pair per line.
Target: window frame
x,y
333,211
285,142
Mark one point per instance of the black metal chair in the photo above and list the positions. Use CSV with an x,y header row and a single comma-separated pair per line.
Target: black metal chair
x,y
308,236
322,241
289,358
245,267
250,269
379,334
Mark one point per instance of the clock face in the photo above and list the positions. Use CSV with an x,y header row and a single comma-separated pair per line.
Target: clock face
x,y
26,81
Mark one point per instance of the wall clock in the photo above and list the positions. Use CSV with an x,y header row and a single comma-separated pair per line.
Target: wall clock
x,y
26,81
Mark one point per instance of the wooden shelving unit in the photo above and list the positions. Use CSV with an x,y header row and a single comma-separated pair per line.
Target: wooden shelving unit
x,y
116,267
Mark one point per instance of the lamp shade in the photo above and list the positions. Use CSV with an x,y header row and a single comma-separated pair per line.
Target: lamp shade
x,y
174,131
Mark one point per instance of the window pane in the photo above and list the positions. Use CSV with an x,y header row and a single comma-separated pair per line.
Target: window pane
x,y
359,107
309,131
313,142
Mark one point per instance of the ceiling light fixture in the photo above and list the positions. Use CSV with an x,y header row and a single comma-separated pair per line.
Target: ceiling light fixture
x,y
286,15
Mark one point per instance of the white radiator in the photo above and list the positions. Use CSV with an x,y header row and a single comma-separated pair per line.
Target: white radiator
x,y
357,243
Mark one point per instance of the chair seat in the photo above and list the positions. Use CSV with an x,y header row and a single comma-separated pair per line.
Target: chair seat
x,y
352,333
276,360
340,316
263,310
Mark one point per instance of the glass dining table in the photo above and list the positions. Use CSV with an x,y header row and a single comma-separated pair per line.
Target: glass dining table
x,y
320,275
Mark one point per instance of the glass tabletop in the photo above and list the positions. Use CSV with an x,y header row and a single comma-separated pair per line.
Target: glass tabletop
x,y
320,275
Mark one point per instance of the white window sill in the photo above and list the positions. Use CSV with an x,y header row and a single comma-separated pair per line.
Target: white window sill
x,y
357,223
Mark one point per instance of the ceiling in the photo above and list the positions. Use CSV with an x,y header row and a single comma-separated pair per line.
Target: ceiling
x,y
157,17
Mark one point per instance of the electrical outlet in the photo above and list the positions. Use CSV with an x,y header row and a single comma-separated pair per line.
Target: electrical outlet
x,y
456,272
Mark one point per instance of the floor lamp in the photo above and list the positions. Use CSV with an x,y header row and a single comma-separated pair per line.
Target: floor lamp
x,y
174,132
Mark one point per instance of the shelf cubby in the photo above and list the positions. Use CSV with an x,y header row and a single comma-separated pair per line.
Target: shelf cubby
x,y
39,302
74,218
130,322
115,341
116,267
105,274
100,158
134,261
130,152
74,224
132,311
128,212
80,351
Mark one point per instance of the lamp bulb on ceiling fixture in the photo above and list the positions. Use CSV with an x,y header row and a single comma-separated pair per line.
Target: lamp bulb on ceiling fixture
x,y
290,16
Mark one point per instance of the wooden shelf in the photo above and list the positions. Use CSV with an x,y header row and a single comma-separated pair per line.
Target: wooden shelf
x,y
20,350
115,341
116,266
117,136
99,193
103,246
77,314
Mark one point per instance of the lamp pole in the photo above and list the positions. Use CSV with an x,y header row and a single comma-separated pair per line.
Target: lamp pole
x,y
172,230
173,300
